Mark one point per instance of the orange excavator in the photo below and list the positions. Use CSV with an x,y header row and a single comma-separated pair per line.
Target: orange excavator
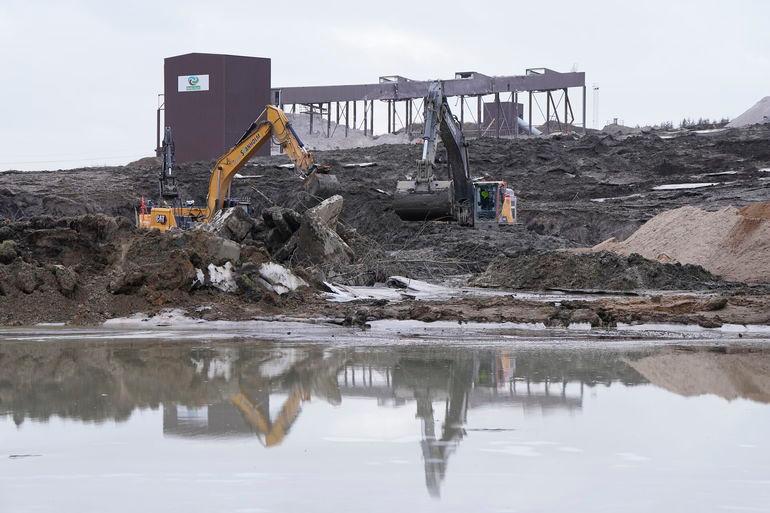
x,y
272,124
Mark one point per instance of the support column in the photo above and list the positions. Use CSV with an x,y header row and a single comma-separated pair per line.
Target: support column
x,y
584,110
462,110
566,111
548,112
409,117
311,118
371,118
366,122
328,119
515,114
390,105
293,108
355,127
478,113
530,112
498,116
347,120
337,105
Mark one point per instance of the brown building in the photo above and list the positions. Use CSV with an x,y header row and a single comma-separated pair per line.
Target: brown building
x,y
211,99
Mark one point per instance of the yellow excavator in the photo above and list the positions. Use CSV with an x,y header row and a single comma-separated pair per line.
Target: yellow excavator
x,y
273,124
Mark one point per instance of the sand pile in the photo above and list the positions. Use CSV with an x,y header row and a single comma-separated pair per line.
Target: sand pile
x,y
732,243
758,113
317,140
619,130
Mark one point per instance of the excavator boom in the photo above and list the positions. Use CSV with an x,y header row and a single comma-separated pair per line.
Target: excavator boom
x,y
271,123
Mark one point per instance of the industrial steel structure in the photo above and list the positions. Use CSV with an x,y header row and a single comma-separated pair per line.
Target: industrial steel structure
x,y
353,105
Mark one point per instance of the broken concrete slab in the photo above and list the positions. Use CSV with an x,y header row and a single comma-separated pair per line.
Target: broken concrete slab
x,y
319,245
284,220
230,223
327,212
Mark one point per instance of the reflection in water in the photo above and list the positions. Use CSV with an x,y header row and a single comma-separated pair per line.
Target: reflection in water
x,y
245,389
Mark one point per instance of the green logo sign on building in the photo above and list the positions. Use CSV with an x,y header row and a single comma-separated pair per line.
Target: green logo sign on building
x,y
188,83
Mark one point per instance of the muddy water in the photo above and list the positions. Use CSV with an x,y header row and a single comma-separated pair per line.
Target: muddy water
x,y
117,424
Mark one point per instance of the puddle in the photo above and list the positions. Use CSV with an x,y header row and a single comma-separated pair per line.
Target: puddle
x,y
247,425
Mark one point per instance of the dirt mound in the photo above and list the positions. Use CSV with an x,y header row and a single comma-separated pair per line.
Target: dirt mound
x,y
90,268
732,243
598,271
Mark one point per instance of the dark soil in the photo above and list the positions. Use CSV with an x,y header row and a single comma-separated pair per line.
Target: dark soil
x,y
595,271
571,189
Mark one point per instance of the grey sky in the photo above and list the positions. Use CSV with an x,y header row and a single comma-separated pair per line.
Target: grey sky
x,y
80,78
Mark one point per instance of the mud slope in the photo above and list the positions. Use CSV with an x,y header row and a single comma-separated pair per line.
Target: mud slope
x,y
578,191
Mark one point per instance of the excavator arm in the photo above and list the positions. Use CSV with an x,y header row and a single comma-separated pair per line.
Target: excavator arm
x,y
271,123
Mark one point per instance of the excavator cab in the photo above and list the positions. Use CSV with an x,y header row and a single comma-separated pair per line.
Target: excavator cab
x,y
494,203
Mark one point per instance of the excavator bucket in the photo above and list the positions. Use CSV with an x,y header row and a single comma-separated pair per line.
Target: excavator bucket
x,y
322,185
434,203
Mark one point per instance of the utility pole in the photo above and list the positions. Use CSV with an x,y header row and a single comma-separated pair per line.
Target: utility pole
x,y
596,106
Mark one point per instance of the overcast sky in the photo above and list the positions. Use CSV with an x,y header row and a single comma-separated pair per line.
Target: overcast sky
x,y
80,79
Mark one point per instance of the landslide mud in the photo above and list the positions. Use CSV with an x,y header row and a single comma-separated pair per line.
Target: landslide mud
x,y
573,192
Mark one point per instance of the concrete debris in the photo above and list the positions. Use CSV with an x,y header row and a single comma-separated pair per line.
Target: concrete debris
x,y
310,239
360,164
230,223
757,114
327,212
222,278
317,241
280,278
